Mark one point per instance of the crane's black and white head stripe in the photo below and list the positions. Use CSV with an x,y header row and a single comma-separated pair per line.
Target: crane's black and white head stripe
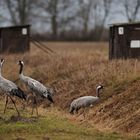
x,y
99,87
20,62
2,60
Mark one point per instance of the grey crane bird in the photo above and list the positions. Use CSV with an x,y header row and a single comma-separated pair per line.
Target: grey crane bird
x,y
35,86
85,101
10,89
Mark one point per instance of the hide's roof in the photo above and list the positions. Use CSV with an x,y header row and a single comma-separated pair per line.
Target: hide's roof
x,y
16,26
125,24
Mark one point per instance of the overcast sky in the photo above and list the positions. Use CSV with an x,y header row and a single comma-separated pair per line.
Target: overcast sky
x,y
115,17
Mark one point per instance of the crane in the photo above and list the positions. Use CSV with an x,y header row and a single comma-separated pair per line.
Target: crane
x,y
35,87
10,89
85,101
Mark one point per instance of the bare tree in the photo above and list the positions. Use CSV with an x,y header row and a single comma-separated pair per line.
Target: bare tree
x,y
84,12
131,9
19,10
53,11
101,13
55,14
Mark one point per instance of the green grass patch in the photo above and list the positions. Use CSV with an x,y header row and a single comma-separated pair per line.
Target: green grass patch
x,y
54,127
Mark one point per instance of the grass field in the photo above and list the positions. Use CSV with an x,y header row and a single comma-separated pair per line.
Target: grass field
x,y
74,70
54,126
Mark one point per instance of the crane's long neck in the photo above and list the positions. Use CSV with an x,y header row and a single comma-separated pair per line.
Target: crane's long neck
x,y
21,69
0,69
1,64
98,92
21,75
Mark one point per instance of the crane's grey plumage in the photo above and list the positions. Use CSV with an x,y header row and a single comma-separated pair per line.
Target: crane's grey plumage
x,y
34,85
10,89
85,101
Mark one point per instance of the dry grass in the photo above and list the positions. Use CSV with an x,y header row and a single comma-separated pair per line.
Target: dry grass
x,y
75,69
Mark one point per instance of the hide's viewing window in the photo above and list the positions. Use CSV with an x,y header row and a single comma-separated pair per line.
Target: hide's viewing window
x,y
24,31
135,44
120,30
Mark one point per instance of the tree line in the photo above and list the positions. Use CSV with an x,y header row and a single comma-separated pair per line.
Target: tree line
x,y
68,19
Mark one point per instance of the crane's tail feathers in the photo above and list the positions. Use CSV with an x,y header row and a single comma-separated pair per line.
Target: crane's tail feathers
x,y
19,93
50,98
71,111
48,95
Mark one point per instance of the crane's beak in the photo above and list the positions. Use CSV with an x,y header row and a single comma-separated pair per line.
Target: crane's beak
x,y
2,60
18,63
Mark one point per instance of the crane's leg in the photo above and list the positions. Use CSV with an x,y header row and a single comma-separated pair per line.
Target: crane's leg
x,y
36,106
33,105
15,105
30,98
32,109
77,111
6,103
84,112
